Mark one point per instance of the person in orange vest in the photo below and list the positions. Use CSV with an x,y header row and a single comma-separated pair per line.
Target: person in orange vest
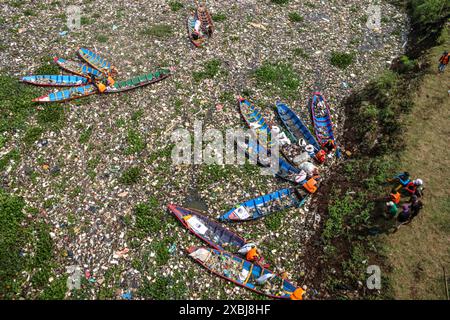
x,y
253,255
395,196
412,186
443,61
298,294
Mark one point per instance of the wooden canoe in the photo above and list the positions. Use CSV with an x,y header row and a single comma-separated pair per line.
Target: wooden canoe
x,y
139,81
242,272
55,80
321,118
96,61
264,205
68,94
258,154
209,231
77,68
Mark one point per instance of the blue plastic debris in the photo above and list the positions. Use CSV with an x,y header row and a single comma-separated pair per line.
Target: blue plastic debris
x,y
63,33
127,295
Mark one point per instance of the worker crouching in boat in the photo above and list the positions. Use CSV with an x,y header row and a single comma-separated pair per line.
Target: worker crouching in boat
x,y
298,294
251,252
98,83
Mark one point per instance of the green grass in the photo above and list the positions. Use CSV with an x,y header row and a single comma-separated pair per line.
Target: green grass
x,y
425,259
164,288
273,221
13,238
300,52
56,290
280,1
342,60
338,210
219,17
85,21
29,12
164,153
295,17
159,31
85,135
47,67
176,5
406,64
112,281
148,218
210,70
136,143
131,175
280,77
162,251
32,135
15,103
215,172
13,155
51,118
101,38
92,166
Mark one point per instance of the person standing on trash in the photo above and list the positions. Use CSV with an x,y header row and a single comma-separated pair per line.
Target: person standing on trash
x,y
253,255
415,208
298,294
403,178
395,196
405,214
391,210
443,61
412,186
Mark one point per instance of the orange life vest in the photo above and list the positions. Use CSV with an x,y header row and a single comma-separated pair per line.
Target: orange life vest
x,y
411,187
110,81
310,185
444,59
101,87
252,254
395,197
297,294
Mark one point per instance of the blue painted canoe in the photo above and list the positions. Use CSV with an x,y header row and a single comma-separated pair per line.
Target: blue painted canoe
x,y
68,94
119,86
78,68
295,125
321,118
55,80
242,272
255,121
259,154
95,60
209,231
264,205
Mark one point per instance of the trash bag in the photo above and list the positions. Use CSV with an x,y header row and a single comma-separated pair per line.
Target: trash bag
x,y
264,278
246,248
